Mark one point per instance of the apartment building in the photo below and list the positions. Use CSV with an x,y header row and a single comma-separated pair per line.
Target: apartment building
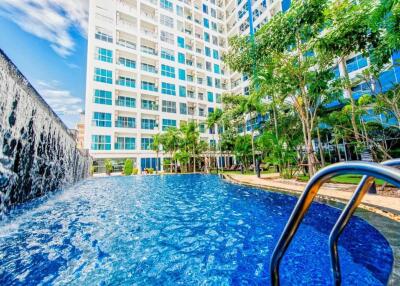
x,y
152,64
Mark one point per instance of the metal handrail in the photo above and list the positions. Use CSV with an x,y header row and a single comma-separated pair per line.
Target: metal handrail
x,y
362,188
376,170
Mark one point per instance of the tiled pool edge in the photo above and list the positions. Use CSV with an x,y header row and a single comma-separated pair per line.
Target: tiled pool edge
x,y
387,222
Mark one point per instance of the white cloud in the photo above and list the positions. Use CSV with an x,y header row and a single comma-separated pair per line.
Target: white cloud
x,y
61,101
51,20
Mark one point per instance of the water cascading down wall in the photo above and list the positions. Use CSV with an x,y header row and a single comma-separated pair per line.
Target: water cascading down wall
x,y
37,153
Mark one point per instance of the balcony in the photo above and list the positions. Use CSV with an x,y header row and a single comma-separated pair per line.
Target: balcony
x,y
149,86
149,105
125,122
126,7
126,44
126,101
149,34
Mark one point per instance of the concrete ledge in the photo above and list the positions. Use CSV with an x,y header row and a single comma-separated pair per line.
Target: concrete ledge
x,y
386,206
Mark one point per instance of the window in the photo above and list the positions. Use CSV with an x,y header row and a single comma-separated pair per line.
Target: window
x,y
148,123
387,80
167,54
181,58
127,44
182,74
149,86
103,75
125,143
167,71
126,81
206,23
205,9
218,98
216,69
182,108
127,62
165,4
356,63
126,101
148,68
208,66
125,122
336,72
166,21
360,89
181,42
168,106
217,83
168,88
182,91
166,123
146,143
104,55
167,37
148,50
214,26
206,37
102,97
202,128
213,13
207,51
210,96
209,81
215,54
149,105
179,10
101,142
101,119
103,36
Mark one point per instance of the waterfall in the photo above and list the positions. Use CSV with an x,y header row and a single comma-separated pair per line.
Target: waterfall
x,y
37,153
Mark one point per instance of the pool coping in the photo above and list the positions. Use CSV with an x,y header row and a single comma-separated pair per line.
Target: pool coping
x,y
383,211
386,221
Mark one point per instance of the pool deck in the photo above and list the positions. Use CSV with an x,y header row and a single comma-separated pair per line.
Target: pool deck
x,y
383,205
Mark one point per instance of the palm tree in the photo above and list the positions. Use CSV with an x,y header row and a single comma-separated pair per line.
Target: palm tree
x,y
190,140
171,141
252,106
155,146
213,119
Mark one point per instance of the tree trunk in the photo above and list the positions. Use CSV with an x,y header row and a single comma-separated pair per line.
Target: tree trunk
x,y
321,152
156,162
352,101
252,150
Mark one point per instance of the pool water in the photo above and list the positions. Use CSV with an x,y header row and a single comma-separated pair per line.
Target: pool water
x,y
178,230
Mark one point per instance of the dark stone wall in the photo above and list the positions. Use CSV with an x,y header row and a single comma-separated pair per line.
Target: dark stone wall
x,y
37,153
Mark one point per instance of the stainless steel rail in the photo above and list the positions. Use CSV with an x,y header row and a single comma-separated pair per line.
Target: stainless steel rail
x,y
345,216
373,170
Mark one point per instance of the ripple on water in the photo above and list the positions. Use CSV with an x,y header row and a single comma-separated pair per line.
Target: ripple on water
x,y
178,229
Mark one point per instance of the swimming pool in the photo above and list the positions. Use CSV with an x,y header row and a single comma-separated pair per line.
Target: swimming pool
x,y
178,230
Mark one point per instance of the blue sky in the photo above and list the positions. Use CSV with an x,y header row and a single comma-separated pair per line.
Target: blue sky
x,y
46,39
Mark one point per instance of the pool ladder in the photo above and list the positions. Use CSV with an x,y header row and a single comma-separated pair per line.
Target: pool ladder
x,y
370,171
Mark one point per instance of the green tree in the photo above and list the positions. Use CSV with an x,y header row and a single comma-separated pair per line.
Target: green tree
x,y
348,31
243,149
284,51
155,146
128,167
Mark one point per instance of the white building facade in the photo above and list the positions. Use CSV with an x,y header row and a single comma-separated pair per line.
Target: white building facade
x,y
151,65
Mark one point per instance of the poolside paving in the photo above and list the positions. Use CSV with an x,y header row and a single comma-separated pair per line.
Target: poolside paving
x,y
387,206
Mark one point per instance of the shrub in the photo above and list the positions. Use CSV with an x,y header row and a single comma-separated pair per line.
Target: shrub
x,y
135,171
91,171
150,170
128,167
109,166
